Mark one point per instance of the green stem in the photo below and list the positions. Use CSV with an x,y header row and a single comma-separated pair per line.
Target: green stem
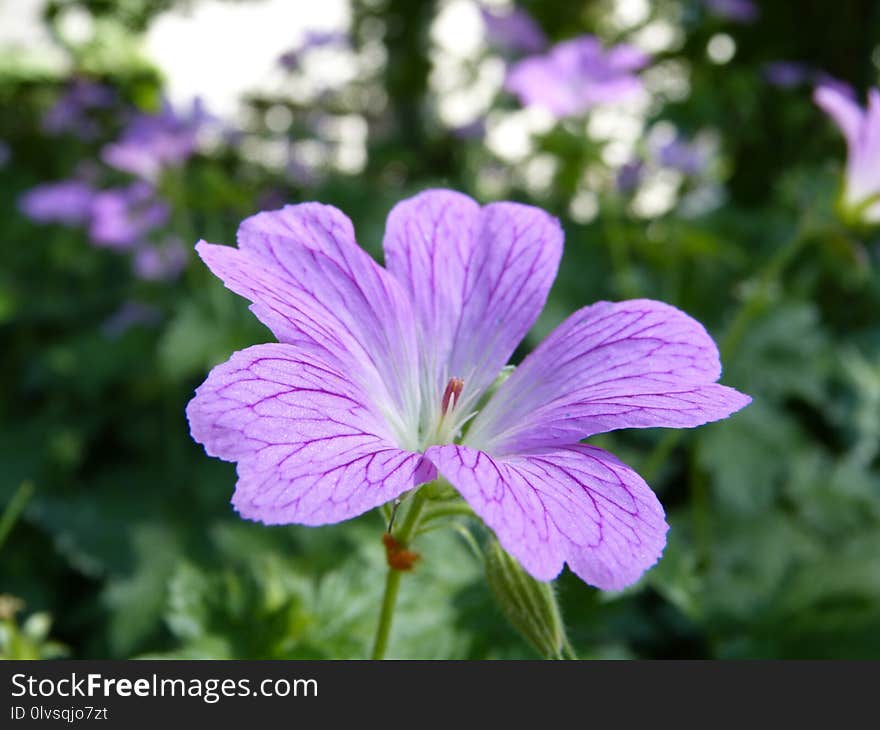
x,y
392,580
14,508
757,300
618,248
454,509
389,601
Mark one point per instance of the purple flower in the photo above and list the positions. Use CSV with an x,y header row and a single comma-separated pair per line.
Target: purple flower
x,y
160,263
130,314
738,11
373,387
71,113
688,157
313,39
472,130
513,31
786,74
152,142
861,129
576,75
121,217
5,153
629,176
68,202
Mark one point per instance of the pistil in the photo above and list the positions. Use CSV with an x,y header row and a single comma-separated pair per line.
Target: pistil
x,y
451,395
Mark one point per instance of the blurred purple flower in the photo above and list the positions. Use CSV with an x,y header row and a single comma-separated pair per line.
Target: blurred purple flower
x,y
121,217
71,112
786,74
160,262
152,142
272,198
689,157
5,153
738,11
861,130
301,172
68,202
130,314
576,75
513,31
313,39
472,130
629,176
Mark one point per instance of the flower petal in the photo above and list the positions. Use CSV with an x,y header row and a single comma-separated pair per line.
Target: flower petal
x,y
536,82
863,161
310,448
632,364
311,284
626,57
478,279
576,504
575,75
842,108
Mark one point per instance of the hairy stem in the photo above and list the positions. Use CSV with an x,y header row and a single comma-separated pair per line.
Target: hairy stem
x,y
392,580
568,651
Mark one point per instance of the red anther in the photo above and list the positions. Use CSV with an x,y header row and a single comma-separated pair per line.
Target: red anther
x,y
451,394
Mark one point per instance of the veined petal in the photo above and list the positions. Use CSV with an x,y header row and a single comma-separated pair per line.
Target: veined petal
x,y
631,364
478,279
576,504
310,283
310,447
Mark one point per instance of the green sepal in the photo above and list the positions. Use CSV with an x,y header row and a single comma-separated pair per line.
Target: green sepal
x,y
529,605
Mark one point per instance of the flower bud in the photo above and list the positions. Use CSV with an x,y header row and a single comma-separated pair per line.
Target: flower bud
x,y
529,605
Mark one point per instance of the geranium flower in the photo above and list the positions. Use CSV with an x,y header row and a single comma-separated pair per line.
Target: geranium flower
x,y
576,75
861,130
379,380
153,142
629,176
786,74
72,112
121,217
131,314
513,30
689,157
152,262
738,11
68,202
313,39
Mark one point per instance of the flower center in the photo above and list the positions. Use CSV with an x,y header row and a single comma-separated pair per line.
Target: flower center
x,y
447,422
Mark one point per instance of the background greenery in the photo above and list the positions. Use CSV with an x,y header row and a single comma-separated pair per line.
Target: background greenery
x,y
118,539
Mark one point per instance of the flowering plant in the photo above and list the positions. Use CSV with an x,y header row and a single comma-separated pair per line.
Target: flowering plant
x,y
382,381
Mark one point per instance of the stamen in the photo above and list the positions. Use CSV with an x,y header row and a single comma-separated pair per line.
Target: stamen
x,y
451,395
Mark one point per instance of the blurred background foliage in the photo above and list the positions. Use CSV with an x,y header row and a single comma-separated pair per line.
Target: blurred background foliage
x,y
117,538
